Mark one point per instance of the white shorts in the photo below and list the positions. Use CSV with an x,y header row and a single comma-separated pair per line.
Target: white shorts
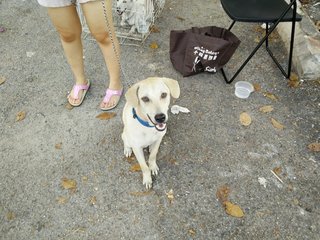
x,y
61,3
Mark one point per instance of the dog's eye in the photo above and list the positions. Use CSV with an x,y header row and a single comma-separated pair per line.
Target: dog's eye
x,y
163,95
145,99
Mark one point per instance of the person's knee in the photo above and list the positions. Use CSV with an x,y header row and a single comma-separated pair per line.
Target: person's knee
x,y
101,37
67,36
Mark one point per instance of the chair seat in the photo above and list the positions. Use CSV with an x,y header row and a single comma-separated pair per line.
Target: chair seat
x,y
257,10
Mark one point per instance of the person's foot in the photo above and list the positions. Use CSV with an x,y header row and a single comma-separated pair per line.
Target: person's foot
x,y
111,99
77,94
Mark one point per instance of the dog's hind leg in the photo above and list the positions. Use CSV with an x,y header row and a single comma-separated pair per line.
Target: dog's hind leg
x,y
147,180
153,157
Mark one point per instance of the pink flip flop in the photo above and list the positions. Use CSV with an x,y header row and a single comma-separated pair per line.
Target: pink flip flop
x,y
76,89
109,94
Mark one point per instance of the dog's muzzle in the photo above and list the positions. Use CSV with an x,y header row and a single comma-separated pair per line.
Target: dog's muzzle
x,y
160,121
119,12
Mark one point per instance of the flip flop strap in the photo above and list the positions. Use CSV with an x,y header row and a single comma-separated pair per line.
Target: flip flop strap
x,y
77,88
110,93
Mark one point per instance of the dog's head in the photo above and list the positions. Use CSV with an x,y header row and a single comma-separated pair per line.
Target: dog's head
x,y
123,5
152,98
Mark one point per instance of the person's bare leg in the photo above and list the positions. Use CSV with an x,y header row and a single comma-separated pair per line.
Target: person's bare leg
x,y
94,14
67,23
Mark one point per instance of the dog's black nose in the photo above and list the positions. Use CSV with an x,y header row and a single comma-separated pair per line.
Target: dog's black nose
x,y
160,118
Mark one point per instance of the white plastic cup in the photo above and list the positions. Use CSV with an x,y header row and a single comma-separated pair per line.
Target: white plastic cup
x,y
243,89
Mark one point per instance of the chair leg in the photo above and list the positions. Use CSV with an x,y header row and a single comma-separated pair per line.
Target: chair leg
x,y
288,73
265,39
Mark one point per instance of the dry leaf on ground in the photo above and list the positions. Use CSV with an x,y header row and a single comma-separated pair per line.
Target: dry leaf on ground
x,y
266,109
135,168
68,106
245,119
58,146
277,170
131,159
93,200
154,29
68,184
270,96
62,200
170,195
180,18
106,115
257,87
10,216
20,116
192,232
223,194
154,45
293,81
2,80
233,210
315,147
140,194
276,124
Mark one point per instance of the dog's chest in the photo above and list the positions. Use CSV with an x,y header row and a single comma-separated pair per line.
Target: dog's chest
x,y
150,136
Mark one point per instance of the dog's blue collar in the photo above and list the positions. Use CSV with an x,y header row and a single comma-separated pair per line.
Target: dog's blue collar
x,y
144,123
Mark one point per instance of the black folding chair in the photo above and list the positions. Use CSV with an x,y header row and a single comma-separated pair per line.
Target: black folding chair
x,y
263,11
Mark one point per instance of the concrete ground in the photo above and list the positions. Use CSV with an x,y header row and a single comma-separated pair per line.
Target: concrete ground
x,y
204,152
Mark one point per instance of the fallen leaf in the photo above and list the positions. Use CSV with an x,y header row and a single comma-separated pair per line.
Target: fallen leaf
x,y
180,18
135,168
223,194
276,124
68,106
233,210
154,29
173,161
257,39
140,194
315,147
293,81
170,195
192,232
154,45
131,159
266,109
106,115
68,184
20,116
58,146
10,216
93,200
2,80
270,96
277,170
62,200
257,87
245,119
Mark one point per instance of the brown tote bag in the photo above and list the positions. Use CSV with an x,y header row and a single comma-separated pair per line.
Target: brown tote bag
x,y
205,49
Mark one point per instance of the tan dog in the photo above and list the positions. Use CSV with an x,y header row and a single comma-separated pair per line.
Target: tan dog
x,y
145,117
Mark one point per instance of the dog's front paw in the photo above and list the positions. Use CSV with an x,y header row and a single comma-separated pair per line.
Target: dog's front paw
x,y
154,169
127,151
147,180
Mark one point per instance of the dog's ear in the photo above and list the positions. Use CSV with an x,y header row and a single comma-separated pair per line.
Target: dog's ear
x,y
132,95
173,85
